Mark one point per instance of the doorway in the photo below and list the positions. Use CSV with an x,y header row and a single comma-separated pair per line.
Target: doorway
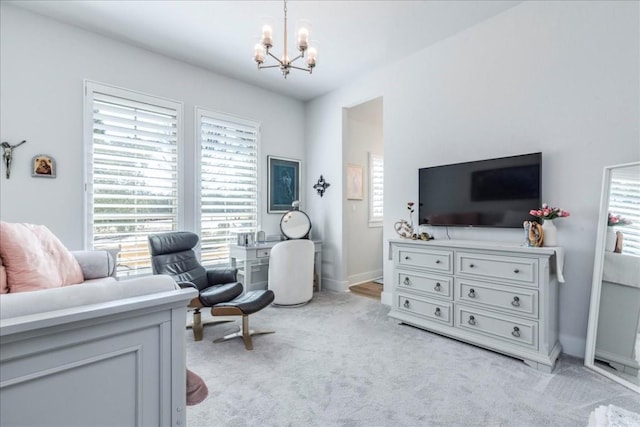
x,y
363,152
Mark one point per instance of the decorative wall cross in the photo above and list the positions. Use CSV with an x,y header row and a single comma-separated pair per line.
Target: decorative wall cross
x,y
7,155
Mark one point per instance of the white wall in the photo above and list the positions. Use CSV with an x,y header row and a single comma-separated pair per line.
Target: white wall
x,y
42,67
556,77
562,78
363,244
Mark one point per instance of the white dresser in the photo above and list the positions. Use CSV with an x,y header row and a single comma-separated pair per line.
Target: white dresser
x,y
499,296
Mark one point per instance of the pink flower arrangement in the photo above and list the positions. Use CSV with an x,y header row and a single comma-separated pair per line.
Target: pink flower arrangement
x,y
617,220
547,213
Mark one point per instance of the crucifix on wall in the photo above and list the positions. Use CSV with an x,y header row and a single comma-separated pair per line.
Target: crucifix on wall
x,y
7,155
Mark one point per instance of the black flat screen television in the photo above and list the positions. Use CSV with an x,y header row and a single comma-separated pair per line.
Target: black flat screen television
x,y
487,193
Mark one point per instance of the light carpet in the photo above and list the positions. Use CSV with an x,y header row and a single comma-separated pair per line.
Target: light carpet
x,y
340,361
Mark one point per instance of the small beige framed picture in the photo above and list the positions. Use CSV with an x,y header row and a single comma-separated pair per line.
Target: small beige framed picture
x,y
43,166
355,189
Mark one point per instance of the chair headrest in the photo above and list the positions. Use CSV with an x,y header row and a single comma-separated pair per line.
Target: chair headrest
x,y
172,242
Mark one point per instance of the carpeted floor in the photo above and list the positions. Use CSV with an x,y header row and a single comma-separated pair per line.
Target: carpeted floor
x,y
340,361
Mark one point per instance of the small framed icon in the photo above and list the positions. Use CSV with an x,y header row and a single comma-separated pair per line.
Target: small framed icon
x,y
43,166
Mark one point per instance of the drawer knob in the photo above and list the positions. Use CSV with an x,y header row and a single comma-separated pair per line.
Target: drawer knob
x,y
516,332
516,271
515,302
406,303
407,281
438,312
472,320
407,258
471,265
472,293
437,287
437,261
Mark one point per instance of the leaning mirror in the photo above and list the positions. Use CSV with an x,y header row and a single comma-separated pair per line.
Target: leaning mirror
x,y
613,335
295,224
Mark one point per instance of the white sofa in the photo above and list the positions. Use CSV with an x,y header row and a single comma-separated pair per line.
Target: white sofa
x,y
104,352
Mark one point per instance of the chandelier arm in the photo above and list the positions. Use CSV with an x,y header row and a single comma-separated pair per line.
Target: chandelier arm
x,y
301,69
276,58
297,57
268,66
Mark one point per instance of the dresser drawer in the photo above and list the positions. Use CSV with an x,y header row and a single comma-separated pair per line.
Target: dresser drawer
x,y
263,253
440,286
517,331
511,299
512,269
426,258
430,309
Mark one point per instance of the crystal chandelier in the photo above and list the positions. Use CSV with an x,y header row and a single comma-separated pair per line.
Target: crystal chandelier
x,y
284,63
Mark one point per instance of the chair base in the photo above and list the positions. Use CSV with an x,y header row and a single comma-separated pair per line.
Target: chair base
x,y
245,333
198,325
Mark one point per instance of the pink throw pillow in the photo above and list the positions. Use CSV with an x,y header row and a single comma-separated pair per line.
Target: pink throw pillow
x,y
4,287
35,258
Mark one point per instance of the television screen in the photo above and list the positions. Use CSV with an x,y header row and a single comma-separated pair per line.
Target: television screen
x,y
487,193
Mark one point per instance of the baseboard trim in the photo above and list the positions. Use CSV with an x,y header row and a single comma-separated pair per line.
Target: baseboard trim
x,y
367,276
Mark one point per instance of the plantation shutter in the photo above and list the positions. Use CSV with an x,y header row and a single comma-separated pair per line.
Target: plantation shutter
x,y
376,186
624,200
132,173
228,183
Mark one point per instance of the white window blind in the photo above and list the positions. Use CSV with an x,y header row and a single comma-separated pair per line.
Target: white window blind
x,y
376,185
132,181
624,200
228,182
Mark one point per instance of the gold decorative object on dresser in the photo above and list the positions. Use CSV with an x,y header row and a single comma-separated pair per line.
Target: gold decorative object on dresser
x,y
501,296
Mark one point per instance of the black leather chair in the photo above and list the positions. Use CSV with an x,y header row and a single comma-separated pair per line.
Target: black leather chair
x,y
172,254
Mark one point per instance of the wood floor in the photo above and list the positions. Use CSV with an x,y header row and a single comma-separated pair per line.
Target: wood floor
x,y
369,289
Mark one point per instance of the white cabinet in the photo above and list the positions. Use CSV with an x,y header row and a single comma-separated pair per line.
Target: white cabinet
x,y
503,297
117,362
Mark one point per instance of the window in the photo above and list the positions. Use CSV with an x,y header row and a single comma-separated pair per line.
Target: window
x,y
228,182
132,146
624,200
376,181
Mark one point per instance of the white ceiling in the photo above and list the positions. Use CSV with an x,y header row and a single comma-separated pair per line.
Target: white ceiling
x,y
352,37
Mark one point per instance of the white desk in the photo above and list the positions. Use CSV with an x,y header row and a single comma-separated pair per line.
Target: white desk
x,y
255,258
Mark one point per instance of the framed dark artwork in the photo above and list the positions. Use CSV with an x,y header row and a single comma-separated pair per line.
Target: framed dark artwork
x,y
43,166
284,183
